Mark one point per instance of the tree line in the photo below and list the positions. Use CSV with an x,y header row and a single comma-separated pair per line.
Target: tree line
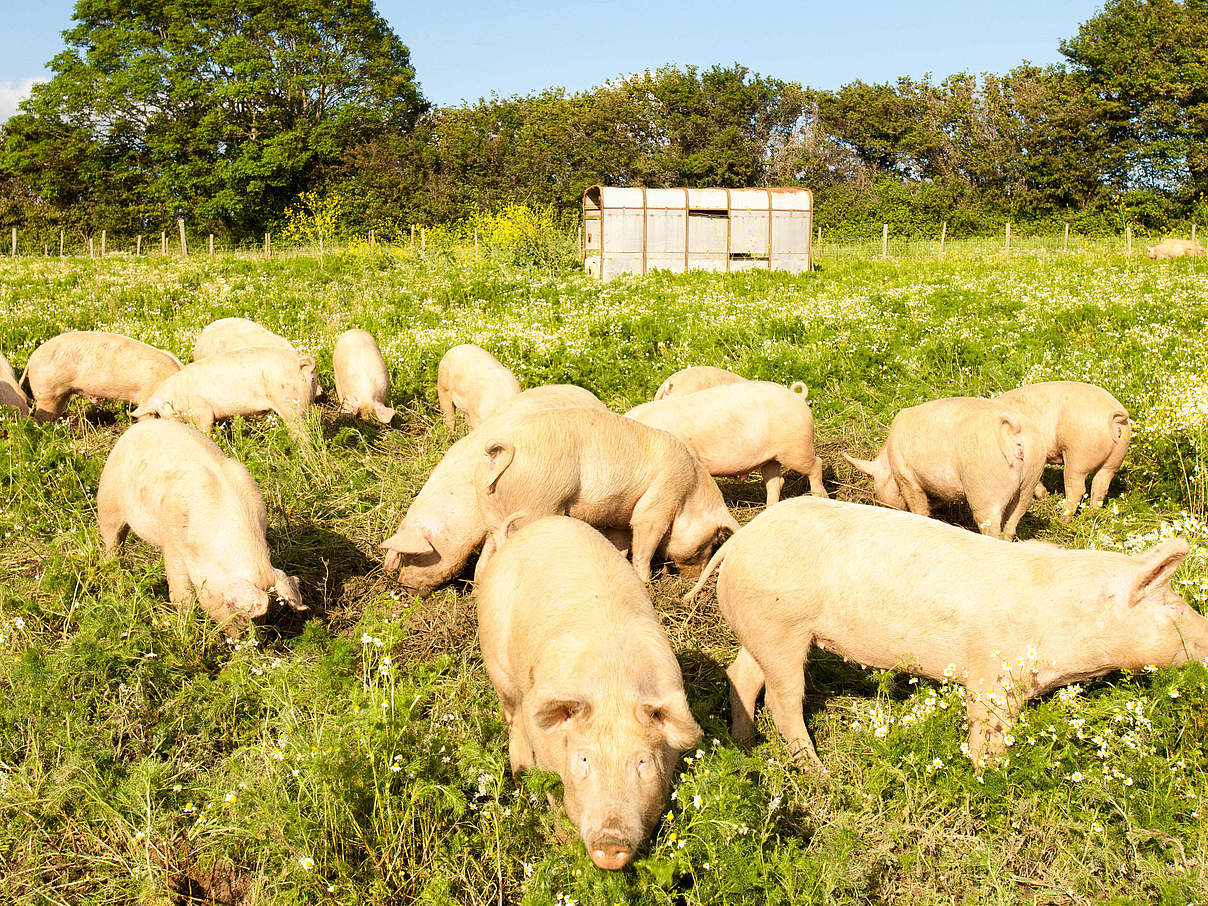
x,y
226,114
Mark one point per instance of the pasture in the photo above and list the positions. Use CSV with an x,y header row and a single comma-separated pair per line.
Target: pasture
x,y
359,756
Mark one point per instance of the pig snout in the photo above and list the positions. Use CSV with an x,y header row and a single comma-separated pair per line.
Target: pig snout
x,y
610,851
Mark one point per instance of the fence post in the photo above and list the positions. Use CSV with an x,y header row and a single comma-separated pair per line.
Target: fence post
x,y
1065,240
60,243
268,245
14,242
184,242
45,249
413,237
943,237
1128,234
102,243
1008,246
91,248
138,245
163,242
211,243
884,240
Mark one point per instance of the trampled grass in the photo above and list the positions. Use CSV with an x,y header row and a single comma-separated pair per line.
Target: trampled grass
x,y
360,757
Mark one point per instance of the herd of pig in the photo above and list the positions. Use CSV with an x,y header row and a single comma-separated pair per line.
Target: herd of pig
x,y
554,492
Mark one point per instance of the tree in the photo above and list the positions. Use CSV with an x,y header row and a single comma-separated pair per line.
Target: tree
x,y
218,110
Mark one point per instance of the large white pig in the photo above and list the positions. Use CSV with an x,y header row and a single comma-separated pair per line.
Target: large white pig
x,y
1173,248
362,379
95,364
443,526
589,685
471,379
895,591
248,381
738,427
959,448
1083,427
11,394
227,334
176,490
694,378
609,471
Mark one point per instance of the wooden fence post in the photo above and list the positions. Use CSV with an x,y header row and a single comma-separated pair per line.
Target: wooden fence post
x,y
1008,245
60,243
138,245
184,242
211,243
45,249
943,237
1128,234
14,242
91,248
268,245
163,242
102,243
413,236
1065,240
884,240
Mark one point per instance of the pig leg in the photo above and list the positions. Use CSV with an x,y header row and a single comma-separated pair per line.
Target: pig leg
x,y
811,467
111,520
989,516
1103,478
772,480
987,726
520,751
1075,487
180,586
915,497
784,692
446,405
746,681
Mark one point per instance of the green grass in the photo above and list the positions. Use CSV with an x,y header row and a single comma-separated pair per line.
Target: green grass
x,y
144,758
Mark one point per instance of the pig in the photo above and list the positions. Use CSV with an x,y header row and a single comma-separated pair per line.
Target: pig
x,y
609,471
227,334
1083,427
176,490
97,365
1173,248
247,381
589,686
361,376
697,377
11,394
896,591
734,428
960,447
443,526
471,379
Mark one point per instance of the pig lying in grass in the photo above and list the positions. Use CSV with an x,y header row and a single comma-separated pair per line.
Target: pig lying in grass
x,y
362,379
227,334
697,377
1083,427
174,488
589,685
1173,248
249,381
960,448
95,364
894,591
737,427
443,526
609,471
471,379
11,394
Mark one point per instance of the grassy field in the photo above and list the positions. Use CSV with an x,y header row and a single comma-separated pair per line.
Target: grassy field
x,y
360,756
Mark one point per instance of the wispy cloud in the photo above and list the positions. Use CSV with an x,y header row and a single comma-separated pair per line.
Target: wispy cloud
x,y
12,94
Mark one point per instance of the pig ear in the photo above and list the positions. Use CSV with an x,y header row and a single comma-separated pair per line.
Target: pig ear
x,y
1010,438
558,712
409,539
307,364
672,718
499,456
868,467
1157,565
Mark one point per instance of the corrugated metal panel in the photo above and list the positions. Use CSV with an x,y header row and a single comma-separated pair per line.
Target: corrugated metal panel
x,y
632,230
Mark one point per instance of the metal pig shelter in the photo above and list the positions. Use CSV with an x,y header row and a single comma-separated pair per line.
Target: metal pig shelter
x,y
634,230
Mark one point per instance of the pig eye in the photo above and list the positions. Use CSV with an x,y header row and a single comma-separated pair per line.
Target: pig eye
x,y
582,764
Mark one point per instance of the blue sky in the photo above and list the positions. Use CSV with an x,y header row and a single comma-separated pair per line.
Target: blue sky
x,y
466,49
